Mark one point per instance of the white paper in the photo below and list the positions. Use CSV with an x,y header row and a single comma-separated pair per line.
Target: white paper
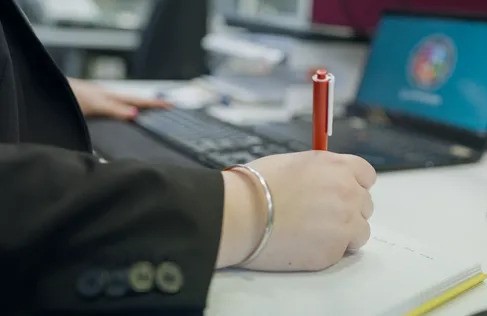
x,y
385,273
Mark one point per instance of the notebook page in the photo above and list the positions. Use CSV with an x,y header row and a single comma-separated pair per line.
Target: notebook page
x,y
385,273
433,292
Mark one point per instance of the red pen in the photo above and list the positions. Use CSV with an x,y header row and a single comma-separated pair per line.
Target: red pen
x,y
323,93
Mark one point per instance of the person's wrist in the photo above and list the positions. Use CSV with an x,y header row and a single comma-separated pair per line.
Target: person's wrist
x,y
243,218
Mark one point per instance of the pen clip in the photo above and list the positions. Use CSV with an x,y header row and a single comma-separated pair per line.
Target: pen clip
x,y
331,99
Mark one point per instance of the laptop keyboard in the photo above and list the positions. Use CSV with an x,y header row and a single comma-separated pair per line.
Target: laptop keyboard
x,y
217,144
394,143
208,140
379,145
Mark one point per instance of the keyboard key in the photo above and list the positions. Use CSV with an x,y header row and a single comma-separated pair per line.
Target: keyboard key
x,y
257,150
252,140
206,144
225,143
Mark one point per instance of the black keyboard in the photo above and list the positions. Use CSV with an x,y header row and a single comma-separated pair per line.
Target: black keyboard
x,y
383,146
210,141
217,144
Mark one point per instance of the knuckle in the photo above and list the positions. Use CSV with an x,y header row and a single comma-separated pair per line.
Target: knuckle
x,y
345,189
363,236
367,232
368,169
340,160
373,175
371,205
359,160
343,213
347,192
363,163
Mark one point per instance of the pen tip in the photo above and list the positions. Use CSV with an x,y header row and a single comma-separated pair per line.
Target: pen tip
x,y
321,73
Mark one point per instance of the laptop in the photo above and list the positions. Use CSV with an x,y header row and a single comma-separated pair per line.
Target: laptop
x,y
422,101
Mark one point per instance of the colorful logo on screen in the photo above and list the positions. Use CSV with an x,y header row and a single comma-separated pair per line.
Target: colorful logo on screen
x,y
432,61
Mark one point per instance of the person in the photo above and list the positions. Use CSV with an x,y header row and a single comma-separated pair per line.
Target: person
x,y
79,237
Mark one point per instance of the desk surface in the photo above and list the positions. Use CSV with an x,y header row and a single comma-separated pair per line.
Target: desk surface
x,y
445,208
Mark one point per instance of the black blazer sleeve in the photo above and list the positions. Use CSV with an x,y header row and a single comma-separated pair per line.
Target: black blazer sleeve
x,y
79,236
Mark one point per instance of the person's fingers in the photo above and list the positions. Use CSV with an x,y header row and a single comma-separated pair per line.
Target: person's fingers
x,y
367,204
360,234
142,103
118,110
363,171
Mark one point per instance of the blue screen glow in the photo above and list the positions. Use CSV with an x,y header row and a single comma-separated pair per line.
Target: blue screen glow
x,y
429,67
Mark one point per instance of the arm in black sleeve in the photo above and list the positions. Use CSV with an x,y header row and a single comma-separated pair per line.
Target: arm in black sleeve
x,y
78,236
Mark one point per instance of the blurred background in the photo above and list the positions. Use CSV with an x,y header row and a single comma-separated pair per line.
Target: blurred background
x,y
161,39
249,49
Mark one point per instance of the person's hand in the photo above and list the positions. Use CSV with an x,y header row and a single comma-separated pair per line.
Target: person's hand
x,y
97,101
322,204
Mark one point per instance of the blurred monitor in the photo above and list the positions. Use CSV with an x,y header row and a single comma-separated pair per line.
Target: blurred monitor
x,y
341,18
435,72
171,42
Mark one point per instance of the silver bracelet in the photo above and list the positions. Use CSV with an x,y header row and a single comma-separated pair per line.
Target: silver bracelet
x,y
270,214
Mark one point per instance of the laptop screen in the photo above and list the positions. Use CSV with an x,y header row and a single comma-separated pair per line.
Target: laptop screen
x,y
434,68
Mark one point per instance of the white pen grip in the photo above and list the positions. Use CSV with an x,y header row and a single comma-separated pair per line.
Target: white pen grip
x,y
331,99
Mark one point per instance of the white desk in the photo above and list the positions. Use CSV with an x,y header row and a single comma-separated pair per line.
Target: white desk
x,y
442,207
